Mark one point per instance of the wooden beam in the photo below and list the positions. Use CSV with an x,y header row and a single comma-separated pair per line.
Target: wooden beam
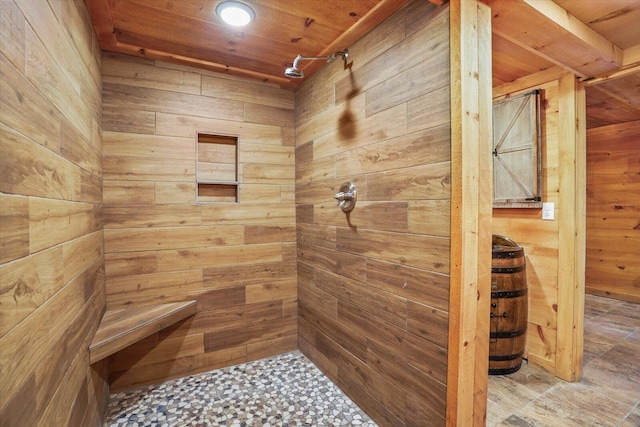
x,y
571,227
543,27
630,65
618,74
578,29
485,216
631,57
471,194
100,13
529,81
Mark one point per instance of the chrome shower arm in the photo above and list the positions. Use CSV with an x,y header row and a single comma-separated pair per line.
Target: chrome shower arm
x,y
312,58
295,70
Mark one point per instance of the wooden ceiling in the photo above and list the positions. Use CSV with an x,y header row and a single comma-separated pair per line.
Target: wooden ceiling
x,y
598,40
189,32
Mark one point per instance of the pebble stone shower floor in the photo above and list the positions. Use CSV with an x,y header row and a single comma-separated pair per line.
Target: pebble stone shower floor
x,y
286,390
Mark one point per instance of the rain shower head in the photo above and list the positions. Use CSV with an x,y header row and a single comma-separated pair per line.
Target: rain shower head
x,y
296,73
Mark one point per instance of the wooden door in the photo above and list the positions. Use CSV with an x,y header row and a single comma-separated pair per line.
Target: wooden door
x,y
516,152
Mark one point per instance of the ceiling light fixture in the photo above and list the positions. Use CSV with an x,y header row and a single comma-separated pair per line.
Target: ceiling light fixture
x,y
235,13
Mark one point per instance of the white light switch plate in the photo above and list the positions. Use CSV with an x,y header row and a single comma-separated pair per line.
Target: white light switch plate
x,y
548,211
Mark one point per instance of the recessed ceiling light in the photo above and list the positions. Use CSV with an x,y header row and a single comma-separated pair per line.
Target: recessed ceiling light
x,y
235,13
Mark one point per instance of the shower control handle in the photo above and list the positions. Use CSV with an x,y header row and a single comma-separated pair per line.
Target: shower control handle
x,y
343,196
346,197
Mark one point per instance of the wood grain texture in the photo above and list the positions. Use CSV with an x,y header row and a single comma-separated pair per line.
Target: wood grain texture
x,y
539,27
14,227
373,285
21,100
471,169
54,222
52,266
198,40
164,246
430,145
136,239
148,285
153,351
140,375
215,319
571,233
132,97
549,253
613,191
122,327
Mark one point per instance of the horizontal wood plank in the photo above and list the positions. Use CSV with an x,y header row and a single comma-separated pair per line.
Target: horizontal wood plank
x,y
14,227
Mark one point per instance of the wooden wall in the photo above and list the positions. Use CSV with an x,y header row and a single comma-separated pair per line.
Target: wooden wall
x,y
613,211
552,256
238,260
51,239
373,285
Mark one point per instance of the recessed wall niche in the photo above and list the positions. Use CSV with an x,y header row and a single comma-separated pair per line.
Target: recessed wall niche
x,y
217,168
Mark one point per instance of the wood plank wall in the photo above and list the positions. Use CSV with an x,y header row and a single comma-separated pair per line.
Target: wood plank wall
x,y
545,242
51,238
613,211
373,285
237,260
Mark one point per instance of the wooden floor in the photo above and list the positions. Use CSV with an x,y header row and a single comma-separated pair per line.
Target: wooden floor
x,y
607,395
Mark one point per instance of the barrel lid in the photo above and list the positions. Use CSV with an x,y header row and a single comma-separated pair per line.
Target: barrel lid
x,y
502,243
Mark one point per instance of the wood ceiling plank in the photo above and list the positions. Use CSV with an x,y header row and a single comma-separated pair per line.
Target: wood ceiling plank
x,y
577,28
604,109
544,28
625,90
197,53
616,20
511,62
188,32
272,22
164,32
339,14
102,22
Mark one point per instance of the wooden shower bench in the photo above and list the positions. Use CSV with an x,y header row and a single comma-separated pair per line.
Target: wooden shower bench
x,y
122,327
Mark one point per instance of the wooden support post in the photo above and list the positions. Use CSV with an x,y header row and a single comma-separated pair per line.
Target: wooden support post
x,y
471,184
572,227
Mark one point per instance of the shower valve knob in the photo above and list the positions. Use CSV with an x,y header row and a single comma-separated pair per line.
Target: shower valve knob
x,y
346,197
343,196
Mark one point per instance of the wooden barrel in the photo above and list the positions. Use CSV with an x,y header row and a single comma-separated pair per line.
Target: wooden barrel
x,y
508,306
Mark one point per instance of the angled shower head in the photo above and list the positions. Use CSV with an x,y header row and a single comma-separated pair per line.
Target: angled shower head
x,y
297,73
294,73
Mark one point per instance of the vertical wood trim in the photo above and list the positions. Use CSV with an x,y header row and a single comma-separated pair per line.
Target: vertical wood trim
x,y
571,234
581,227
485,215
470,214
